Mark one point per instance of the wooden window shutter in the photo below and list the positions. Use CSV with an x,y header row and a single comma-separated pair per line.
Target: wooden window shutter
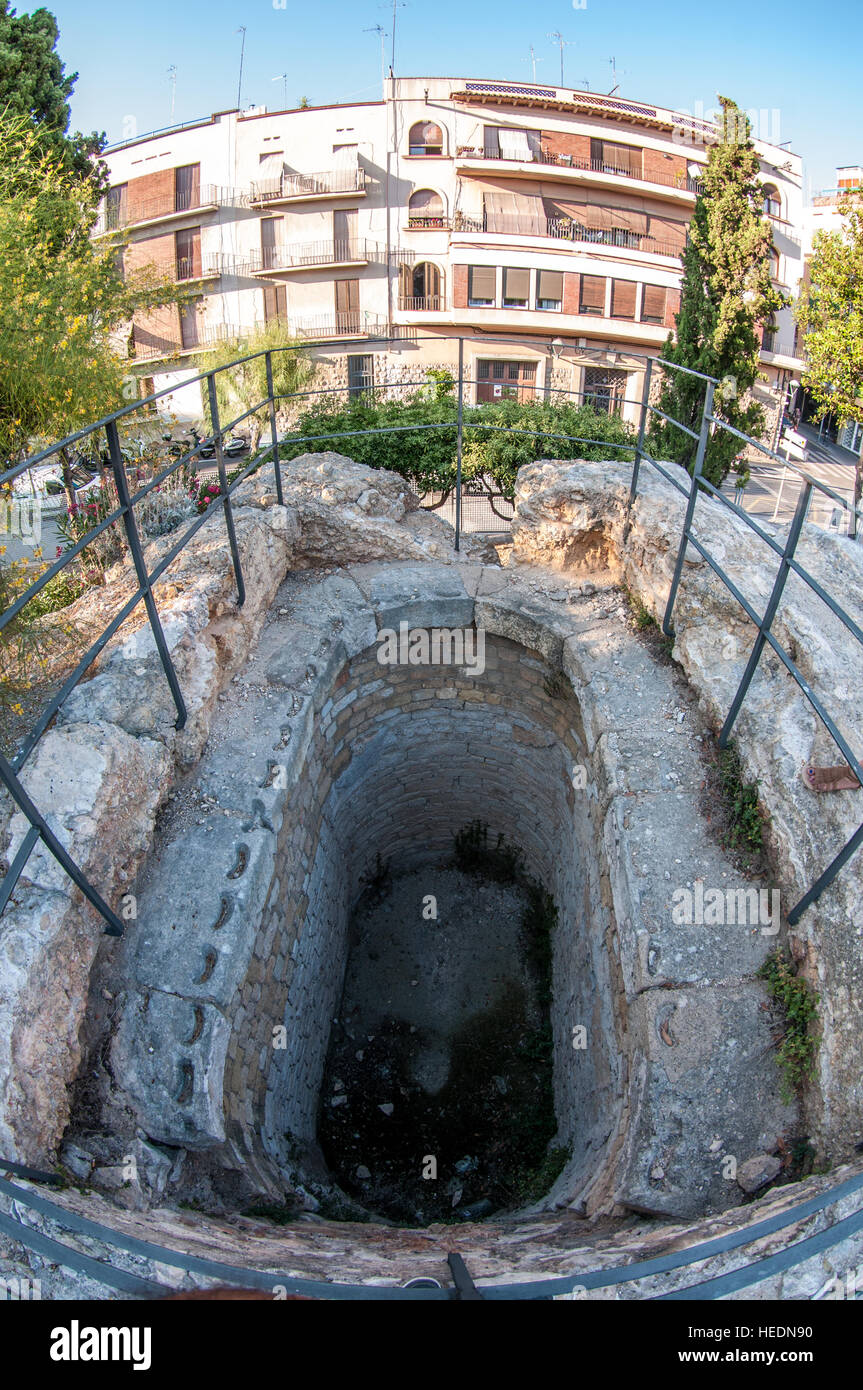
x,y
653,304
516,283
592,299
483,282
623,299
550,285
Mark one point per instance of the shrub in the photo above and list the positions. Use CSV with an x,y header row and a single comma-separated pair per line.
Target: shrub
x,y
798,1004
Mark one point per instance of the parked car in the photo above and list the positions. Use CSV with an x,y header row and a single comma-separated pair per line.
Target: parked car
x,y
44,483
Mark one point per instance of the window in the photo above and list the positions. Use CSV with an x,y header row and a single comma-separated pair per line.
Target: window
x,y
502,142
420,286
505,380
516,288
188,248
623,299
187,187
275,303
426,138
549,289
768,336
653,300
774,265
345,244
592,295
189,323
347,306
611,158
425,209
116,207
482,286
271,242
604,389
361,374
772,204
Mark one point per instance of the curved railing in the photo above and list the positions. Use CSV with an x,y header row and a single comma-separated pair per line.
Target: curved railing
x,y
690,486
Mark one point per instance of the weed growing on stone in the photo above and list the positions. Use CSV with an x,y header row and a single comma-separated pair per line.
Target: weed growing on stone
x,y
645,624
744,822
798,1004
279,1213
557,686
473,853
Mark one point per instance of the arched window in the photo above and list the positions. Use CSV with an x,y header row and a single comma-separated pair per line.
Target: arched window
x,y
425,209
774,264
772,203
420,286
426,138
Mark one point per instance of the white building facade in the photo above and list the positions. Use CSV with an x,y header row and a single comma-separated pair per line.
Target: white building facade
x,y
454,207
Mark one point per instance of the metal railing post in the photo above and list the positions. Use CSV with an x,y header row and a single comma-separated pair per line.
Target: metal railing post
x,y
223,484
690,506
268,358
639,447
770,611
459,442
118,467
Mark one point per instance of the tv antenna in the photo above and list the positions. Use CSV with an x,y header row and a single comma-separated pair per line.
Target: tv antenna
x,y
616,87
397,5
283,78
172,78
379,29
241,30
562,43
534,60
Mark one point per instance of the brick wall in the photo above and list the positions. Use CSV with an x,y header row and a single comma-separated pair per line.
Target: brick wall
x,y
566,142
400,759
459,286
658,163
150,195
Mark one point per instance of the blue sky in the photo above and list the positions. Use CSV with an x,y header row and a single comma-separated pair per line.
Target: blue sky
x,y
799,59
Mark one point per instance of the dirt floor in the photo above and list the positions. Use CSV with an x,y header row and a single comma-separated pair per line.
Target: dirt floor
x,y
437,1100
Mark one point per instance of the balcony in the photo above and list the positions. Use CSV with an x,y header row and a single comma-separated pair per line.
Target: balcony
x,y
187,269
286,260
422,304
165,208
295,188
572,169
428,224
565,229
194,338
350,324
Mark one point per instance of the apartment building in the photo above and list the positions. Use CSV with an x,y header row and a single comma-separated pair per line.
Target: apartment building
x,y
492,210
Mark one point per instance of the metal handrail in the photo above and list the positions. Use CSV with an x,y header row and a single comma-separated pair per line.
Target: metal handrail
x,y
602,1277
125,512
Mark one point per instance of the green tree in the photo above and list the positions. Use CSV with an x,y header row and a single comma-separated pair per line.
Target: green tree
x,y
64,301
240,388
830,314
727,292
34,83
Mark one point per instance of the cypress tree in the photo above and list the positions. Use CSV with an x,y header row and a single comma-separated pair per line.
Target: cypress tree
x,y
726,293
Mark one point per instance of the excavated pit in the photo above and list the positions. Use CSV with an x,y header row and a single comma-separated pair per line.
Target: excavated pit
x,y
330,781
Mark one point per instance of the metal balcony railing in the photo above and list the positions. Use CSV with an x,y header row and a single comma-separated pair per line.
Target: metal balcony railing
x,y
417,223
684,182
421,303
353,323
287,186
355,250
114,216
567,229
193,338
